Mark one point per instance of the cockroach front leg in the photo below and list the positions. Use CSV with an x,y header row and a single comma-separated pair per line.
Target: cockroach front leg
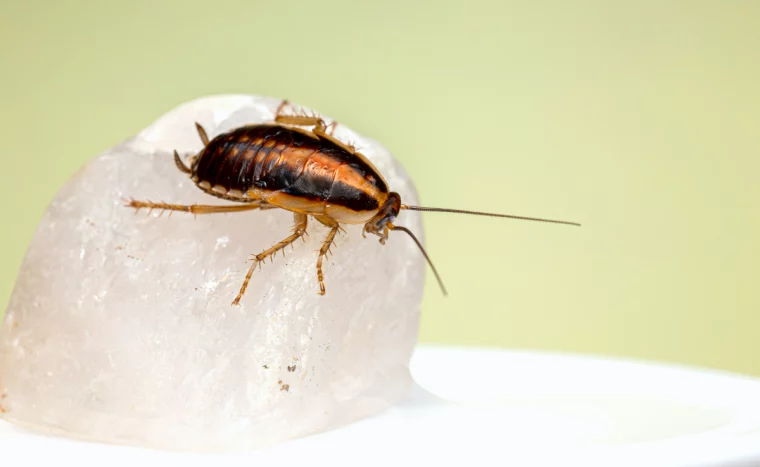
x,y
298,232
334,227
197,208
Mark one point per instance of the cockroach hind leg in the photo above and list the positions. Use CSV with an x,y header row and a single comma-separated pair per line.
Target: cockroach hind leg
x,y
131,203
192,208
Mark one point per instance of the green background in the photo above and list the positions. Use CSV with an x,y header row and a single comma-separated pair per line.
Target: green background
x,y
639,119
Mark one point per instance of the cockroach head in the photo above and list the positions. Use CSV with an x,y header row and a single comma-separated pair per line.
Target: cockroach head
x,y
378,225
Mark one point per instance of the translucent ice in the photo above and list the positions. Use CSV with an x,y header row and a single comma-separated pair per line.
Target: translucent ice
x,y
120,328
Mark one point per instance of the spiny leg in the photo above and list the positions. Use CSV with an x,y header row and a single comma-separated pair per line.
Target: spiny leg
x,y
304,120
300,120
298,232
334,227
280,108
331,128
197,208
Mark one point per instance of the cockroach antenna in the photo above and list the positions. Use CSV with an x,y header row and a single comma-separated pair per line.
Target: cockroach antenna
x,y
489,214
424,253
459,211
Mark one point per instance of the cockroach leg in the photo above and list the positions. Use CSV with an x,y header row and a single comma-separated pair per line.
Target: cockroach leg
x,y
181,165
279,112
300,120
330,129
326,221
334,227
299,230
280,116
196,208
304,120
202,133
322,253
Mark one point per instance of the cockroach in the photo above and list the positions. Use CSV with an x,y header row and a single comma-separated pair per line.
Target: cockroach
x,y
295,163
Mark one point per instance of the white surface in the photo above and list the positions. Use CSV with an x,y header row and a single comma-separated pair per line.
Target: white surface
x,y
500,408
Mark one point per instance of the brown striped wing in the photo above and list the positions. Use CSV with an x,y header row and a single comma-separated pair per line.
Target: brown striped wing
x,y
273,159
